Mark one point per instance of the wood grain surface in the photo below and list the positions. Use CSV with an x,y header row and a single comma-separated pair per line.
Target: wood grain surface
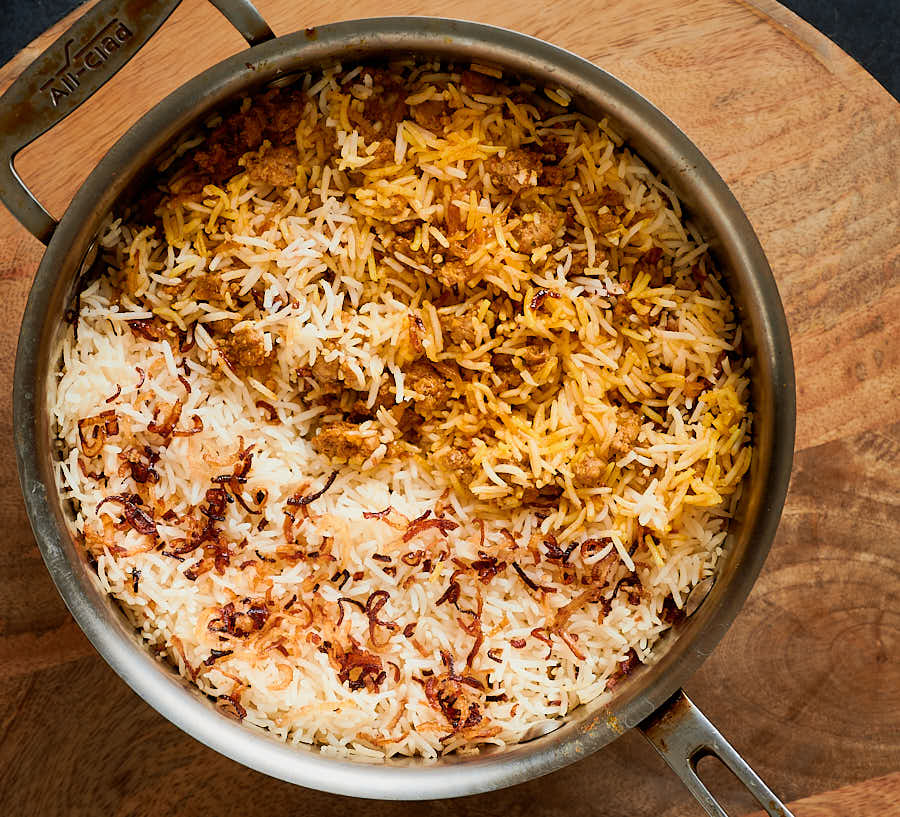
x,y
806,684
876,796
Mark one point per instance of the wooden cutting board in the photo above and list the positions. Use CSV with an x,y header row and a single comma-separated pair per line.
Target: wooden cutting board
x,y
806,683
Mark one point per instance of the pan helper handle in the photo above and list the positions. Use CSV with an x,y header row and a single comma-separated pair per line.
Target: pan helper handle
x,y
683,736
78,64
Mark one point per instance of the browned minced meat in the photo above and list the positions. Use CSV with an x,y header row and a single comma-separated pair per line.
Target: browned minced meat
x,y
534,354
326,371
431,115
476,83
384,399
580,261
279,110
607,222
539,230
459,462
628,425
516,170
208,287
400,245
283,114
652,263
552,151
389,111
218,158
611,198
552,148
381,113
426,382
623,307
607,197
212,289
588,472
541,496
459,328
407,227
276,166
344,441
454,273
273,116
330,369
245,347
555,175
657,273
502,362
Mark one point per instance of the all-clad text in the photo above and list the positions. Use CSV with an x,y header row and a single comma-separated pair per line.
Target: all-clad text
x,y
90,56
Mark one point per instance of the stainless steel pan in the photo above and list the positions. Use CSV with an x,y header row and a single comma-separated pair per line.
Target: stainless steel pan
x,y
651,700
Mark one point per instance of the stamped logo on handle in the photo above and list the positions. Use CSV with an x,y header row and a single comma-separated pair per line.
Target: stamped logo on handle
x,y
89,57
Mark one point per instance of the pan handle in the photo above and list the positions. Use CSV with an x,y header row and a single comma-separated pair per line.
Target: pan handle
x,y
79,63
681,733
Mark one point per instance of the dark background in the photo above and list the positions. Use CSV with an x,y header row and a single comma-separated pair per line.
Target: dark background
x,y
868,30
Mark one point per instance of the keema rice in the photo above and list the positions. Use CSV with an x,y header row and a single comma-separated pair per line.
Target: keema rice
x,y
406,412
